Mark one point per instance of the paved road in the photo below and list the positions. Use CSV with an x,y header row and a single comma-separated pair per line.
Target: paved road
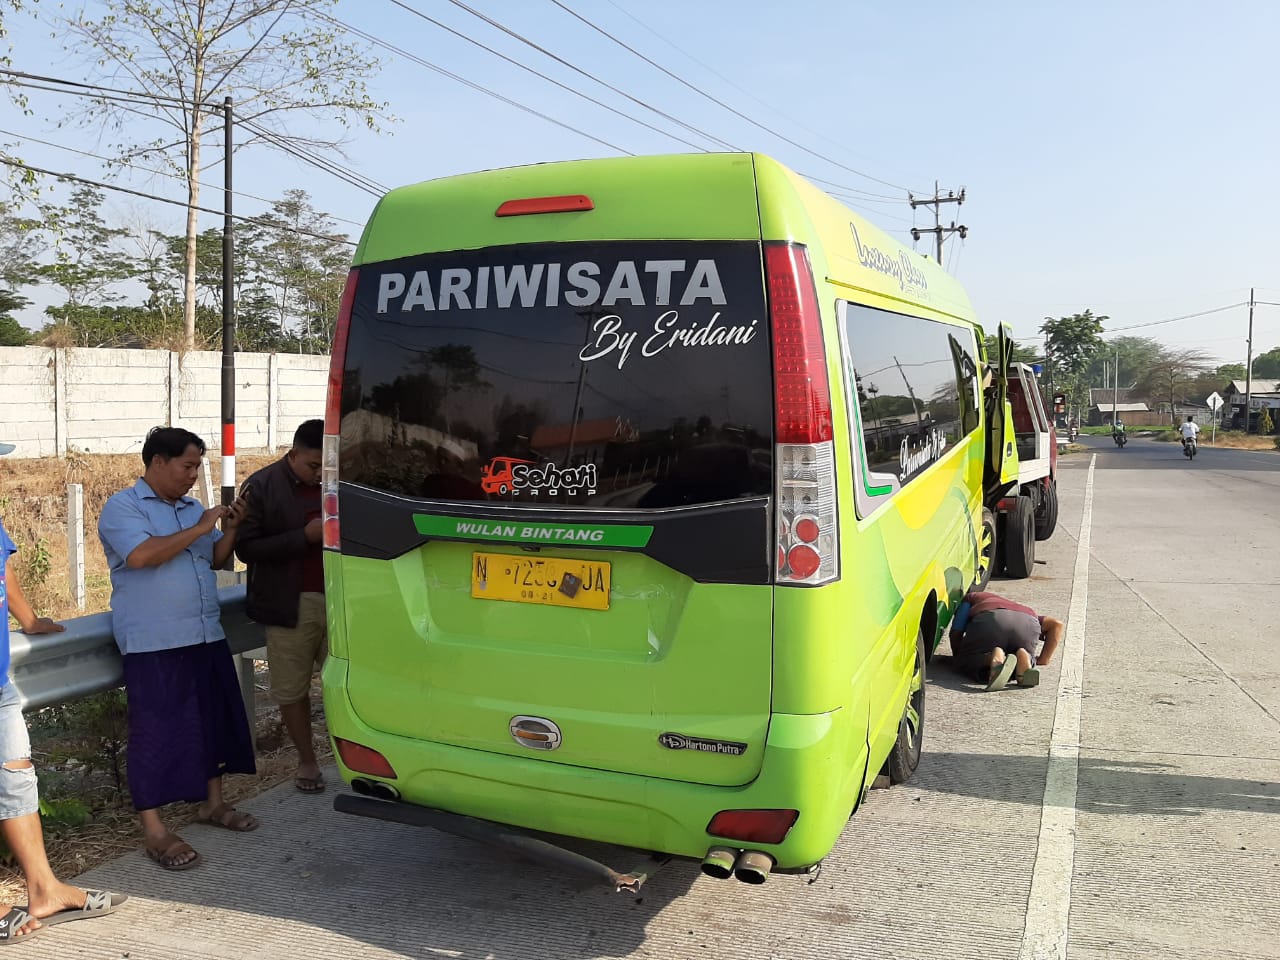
x,y
1127,808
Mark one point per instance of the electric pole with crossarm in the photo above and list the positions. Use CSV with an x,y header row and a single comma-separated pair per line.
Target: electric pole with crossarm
x,y
938,230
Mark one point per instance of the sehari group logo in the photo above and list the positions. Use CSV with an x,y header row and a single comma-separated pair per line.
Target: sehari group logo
x,y
503,475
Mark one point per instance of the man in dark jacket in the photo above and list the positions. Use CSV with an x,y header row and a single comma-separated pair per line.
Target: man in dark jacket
x,y
281,543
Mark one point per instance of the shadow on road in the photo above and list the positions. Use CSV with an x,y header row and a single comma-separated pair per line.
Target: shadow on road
x,y
1121,787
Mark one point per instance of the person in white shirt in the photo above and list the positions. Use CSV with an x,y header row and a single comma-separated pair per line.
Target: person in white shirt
x,y
1189,430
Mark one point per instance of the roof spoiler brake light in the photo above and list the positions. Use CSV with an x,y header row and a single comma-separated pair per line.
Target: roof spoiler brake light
x,y
569,203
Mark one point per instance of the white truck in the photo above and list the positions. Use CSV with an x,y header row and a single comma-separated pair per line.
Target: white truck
x,y
1021,511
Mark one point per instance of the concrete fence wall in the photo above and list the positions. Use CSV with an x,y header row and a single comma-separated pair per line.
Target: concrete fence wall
x,y
104,401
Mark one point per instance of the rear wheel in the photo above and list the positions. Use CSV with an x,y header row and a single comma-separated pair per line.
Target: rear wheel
x,y
1020,540
905,756
986,550
1047,521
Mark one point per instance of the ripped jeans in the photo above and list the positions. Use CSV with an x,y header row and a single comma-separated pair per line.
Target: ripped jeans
x,y
18,792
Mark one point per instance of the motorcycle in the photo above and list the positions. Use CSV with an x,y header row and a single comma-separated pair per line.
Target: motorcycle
x,y
1189,448
1120,438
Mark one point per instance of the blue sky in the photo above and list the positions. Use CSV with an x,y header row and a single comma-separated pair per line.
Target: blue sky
x,y
1117,156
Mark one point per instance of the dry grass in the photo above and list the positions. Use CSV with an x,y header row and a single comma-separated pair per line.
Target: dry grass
x,y
33,503
1239,441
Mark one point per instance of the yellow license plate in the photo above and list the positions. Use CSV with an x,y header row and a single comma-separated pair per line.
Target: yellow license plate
x,y
581,584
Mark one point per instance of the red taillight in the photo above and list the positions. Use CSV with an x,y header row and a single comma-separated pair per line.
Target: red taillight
x,y
803,561
363,759
753,826
806,529
565,204
802,390
338,358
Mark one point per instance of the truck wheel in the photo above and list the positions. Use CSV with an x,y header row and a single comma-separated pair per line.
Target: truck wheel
x,y
1020,540
905,756
987,553
1047,521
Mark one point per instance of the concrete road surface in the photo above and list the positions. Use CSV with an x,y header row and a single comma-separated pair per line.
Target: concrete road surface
x,y
1126,808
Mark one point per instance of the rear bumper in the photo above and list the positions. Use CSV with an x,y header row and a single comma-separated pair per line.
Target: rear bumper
x,y
809,765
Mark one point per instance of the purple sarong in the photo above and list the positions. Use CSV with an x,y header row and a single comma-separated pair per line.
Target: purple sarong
x,y
187,723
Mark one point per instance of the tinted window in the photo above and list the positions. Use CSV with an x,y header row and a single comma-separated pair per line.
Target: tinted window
x,y
916,391
629,374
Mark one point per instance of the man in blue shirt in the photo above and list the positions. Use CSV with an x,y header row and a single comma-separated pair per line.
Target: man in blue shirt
x,y
49,900
187,722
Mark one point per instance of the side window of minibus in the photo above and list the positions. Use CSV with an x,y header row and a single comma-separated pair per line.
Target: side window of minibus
x,y
915,384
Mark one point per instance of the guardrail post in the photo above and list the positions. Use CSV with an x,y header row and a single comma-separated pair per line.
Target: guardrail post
x,y
206,483
75,542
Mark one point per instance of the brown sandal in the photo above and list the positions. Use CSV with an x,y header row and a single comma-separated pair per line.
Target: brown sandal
x,y
169,849
229,818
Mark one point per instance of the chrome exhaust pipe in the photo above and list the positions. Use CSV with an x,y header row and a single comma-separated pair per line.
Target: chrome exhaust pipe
x,y
753,866
374,788
719,862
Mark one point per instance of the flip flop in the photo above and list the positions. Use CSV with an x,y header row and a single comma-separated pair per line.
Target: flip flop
x,y
309,784
1002,675
229,818
13,921
173,846
97,903
1030,677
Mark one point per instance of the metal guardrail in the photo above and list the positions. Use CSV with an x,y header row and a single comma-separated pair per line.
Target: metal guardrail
x,y
57,668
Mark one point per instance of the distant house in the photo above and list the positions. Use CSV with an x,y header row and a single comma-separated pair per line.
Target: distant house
x,y
588,439
1262,393
1135,414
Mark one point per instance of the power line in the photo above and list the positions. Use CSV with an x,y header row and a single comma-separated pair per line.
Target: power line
x,y
349,176
82,89
158,173
346,174
715,100
258,221
552,80
747,93
576,69
376,41
1189,316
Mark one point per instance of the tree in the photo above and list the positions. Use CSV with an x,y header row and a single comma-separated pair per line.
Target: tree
x,y
1229,371
299,259
1172,377
21,243
1267,365
87,261
1135,355
12,333
1071,345
276,58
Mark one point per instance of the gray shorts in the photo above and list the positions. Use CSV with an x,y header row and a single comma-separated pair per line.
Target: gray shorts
x,y
1008,630
18,793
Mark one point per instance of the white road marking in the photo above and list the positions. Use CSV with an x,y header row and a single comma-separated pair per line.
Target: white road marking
x,y
1049,906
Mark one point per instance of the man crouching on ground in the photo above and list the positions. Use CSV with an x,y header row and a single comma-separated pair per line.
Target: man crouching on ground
x,y
994,639
280,541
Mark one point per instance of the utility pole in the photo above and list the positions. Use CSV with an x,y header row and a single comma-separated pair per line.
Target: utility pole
x,y
228,320
938,230
1248,366
1115,390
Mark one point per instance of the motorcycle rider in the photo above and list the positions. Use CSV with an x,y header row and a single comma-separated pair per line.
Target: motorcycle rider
x,y
1188,430
1117,429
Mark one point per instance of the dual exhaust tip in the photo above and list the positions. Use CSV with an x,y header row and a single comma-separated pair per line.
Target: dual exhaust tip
x,y
374,788
749,866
